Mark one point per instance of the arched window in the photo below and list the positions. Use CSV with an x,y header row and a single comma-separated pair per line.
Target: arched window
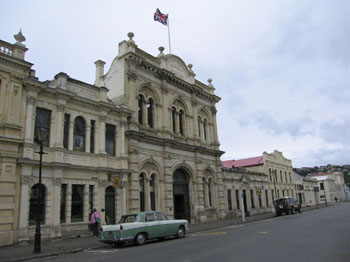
x,y
210,192
199,126
173,113
204,193
142,192
205,129
150,112
140,109
181,114
79,134
37,204
152,184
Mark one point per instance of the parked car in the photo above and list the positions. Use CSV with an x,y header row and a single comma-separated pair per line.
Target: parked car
x,y
140,227
287,205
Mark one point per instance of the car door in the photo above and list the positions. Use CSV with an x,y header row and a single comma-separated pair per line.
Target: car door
x,y
164,225
152,227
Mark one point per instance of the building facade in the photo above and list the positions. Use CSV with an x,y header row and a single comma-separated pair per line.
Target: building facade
x,y
278,169
246,191
142,137
13,70
307,190
332,187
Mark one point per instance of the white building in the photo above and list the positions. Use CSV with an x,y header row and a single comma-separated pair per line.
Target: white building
x,y
307,190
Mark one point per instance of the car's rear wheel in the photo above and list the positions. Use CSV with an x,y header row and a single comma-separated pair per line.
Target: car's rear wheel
x,y
140,239
121,244
181,232
300,210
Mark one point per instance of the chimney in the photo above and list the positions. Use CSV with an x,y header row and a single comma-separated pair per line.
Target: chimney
x,y
99,70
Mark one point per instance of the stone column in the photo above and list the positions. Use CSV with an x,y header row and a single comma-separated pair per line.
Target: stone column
x,y
102,133
71,134
121,142
30,121
144,113
86,203
177,123
56,204
69,204
87,141
24,207
215,129
59,126
147,193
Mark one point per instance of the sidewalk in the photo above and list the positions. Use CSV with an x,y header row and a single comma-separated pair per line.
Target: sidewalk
x,y
73,245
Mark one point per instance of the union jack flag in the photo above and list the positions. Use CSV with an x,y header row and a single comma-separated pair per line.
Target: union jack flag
x,y
161,18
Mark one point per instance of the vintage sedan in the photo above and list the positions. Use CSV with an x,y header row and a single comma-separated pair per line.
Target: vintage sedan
x,y
140,227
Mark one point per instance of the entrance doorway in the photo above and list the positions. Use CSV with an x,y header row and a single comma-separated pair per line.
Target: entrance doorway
x,y
182,208
246,212
110,205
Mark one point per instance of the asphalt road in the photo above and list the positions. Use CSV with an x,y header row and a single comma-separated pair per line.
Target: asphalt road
x,y
316,235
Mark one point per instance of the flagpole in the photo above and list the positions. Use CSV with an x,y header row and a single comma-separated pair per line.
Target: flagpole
x,y
169,35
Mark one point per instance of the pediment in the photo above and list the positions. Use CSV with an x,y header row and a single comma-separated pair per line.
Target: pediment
x,y
177,66
245,178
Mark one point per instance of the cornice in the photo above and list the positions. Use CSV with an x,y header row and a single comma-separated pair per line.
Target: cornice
x,y
16,62
153,139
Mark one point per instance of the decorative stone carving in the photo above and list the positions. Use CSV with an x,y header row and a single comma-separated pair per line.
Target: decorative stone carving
x,y
131,75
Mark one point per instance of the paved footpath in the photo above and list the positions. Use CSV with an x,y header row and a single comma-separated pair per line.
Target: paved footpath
x,y
77,244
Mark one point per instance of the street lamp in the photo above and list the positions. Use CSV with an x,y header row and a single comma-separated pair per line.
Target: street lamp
x,y
42,136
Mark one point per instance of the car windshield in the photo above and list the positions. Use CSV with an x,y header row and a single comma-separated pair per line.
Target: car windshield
x,y
129,219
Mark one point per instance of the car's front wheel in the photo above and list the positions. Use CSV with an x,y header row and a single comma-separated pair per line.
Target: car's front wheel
x,y
181,232
293,211
140,239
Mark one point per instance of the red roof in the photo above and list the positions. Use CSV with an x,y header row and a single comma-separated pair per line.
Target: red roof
x,y
323,174
253,161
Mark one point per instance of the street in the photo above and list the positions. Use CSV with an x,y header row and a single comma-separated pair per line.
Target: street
x,y
316,235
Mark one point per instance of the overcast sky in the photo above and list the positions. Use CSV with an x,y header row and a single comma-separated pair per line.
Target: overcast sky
x,y
281,67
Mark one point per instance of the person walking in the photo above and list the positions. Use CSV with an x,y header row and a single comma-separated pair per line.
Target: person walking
x,y
95,221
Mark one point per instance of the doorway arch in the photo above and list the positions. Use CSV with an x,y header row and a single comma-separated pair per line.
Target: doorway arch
x,y
182,209
110,205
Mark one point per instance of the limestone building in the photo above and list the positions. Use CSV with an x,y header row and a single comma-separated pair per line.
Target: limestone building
x,y
276,167
142,137
307,191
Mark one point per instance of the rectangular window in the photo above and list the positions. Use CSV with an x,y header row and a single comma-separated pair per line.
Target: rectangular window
x,y
285,176
229,200
66,130
63,203
281,176
110,139
282,192
267,197
278,193
92,137
91,198
321,186
42,122
77,203
273,195
237,199
252,198
260,202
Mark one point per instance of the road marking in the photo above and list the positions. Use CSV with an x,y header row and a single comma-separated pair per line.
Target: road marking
x,y
210,234
101,251
264,232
